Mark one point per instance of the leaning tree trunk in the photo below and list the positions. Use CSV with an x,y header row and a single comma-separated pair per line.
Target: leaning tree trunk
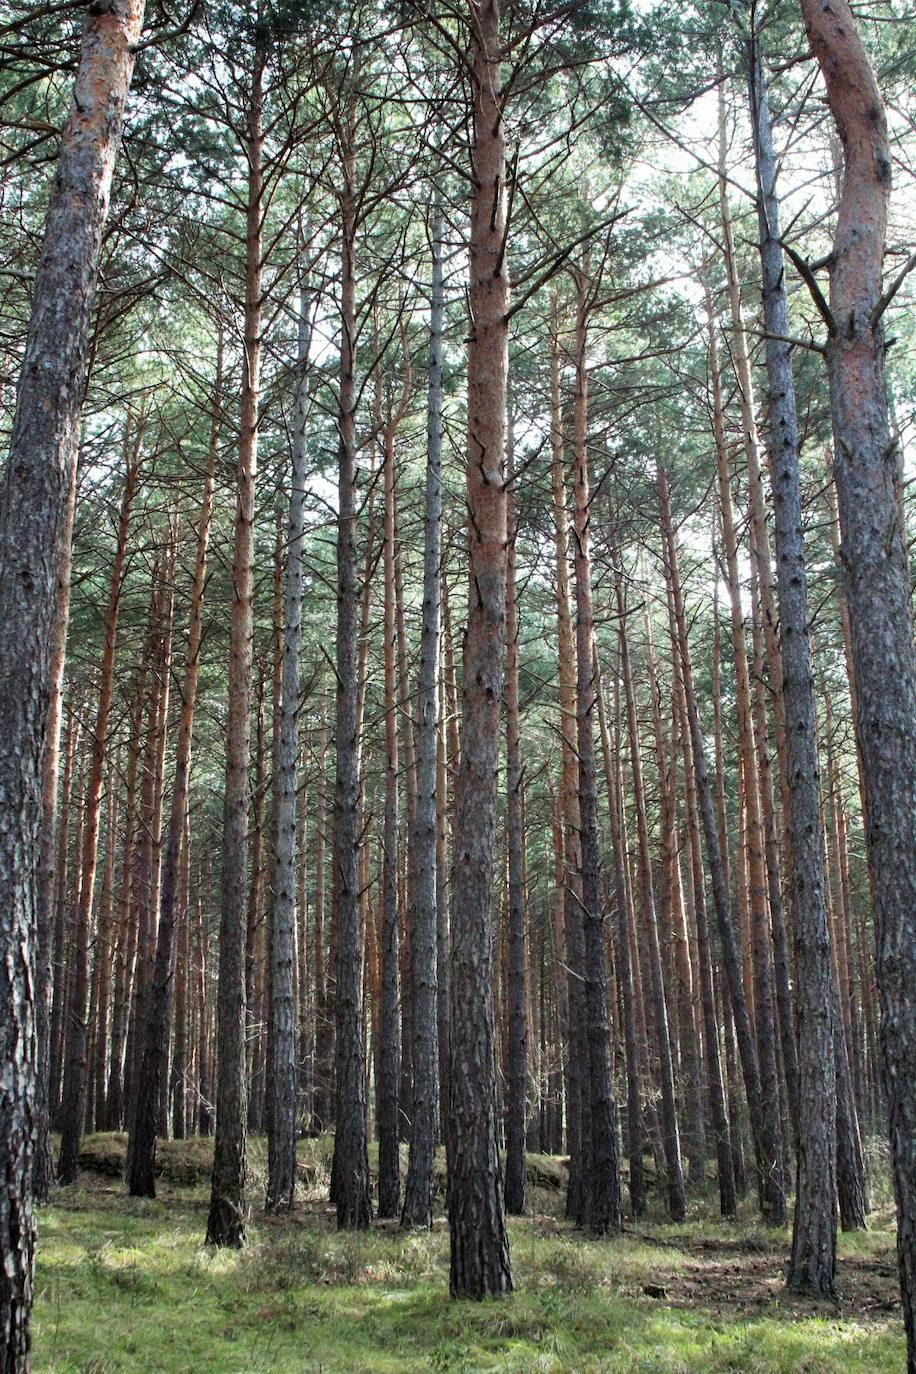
x,y
418,1190
479,1243
142,1150
877,583
226,1219
32,518
281,1030
813,1261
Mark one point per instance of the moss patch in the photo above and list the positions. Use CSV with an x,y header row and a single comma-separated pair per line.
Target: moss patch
x,y
127,1285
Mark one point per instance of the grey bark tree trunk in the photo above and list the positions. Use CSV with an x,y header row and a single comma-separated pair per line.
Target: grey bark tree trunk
x,y
226,1219
281,1030
813,1260
43,1166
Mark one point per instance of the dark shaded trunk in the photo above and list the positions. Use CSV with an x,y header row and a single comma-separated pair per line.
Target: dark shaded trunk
x,y
517,932
281,1030
603,1206
43,1164
350,1174
387,1084
479,1242
33,516
683,684
430,1033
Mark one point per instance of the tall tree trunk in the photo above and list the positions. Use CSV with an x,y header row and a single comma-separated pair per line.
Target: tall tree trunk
x,y
32,519
127,925
43,1164
674,920
517,932
387,1085
675,1177
773,1199
321,1109
603,1208
877,582
103,960
69,801
813,1260
226,1218
637,1177
76,1060
181,1056
766,1156
142,1152
428,900
479,1242
571,889
683,676
281,1034
351,1160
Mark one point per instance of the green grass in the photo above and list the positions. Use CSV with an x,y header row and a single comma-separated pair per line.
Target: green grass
x,y
127,1285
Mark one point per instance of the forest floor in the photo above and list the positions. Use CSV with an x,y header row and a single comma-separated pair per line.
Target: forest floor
x,y
127,1284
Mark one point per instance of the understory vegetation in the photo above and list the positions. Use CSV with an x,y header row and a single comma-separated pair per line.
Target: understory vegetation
x,y
125,1283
